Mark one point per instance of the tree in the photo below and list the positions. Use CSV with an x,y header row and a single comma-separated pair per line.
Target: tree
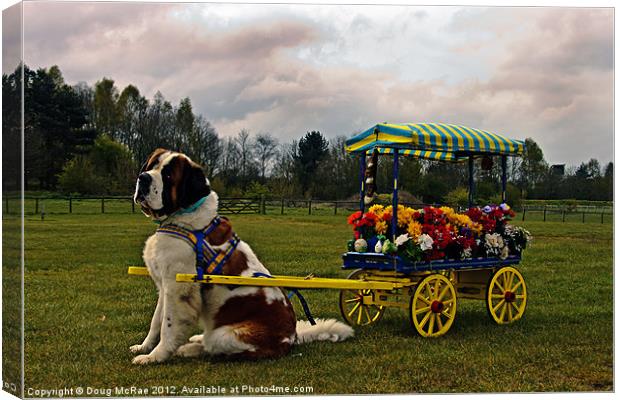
x,y
184,126
108,168
311,150
244,146
104,107
266,147
533,166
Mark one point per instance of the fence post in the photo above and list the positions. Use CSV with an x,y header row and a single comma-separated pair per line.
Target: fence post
x,y
36,205
282,207
6,202
133,206
602,214
335,207
523,216
563,216
310,207
70,205
583,217
545,214
102,205
262,204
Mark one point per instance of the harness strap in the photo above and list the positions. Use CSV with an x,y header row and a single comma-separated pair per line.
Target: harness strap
x,y
207,258
292,292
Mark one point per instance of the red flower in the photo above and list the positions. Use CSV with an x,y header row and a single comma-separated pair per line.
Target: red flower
x,y
354,217
474,214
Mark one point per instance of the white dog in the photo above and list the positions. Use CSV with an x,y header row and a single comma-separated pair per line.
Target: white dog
x,y
246,321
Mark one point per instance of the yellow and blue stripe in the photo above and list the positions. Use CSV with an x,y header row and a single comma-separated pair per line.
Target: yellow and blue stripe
x,y
435,141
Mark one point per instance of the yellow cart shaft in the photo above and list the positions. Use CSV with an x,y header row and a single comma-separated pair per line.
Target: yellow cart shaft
x,y
282,281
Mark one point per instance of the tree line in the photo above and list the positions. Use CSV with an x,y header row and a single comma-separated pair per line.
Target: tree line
x,y
92,140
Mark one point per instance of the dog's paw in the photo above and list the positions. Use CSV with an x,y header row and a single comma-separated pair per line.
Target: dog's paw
x,y
190,350
138,349
144,359
196,339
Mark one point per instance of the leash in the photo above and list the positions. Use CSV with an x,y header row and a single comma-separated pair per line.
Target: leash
x,y
292,292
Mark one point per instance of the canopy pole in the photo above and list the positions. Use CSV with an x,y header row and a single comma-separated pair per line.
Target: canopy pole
x,y
504,168
362,176
395,197
471,181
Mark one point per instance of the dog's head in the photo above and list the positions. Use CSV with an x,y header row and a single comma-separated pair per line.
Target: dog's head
x,y
168,182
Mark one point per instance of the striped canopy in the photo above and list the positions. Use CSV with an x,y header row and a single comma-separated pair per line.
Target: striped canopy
x,y
434,141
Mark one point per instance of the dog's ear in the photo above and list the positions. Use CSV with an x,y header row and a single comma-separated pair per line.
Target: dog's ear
x,y
193,186
152,158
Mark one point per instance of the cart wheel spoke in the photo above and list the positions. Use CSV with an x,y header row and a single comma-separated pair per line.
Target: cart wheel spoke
x,y
421,310
431,324
367,314
439,323
352,300
499,304
354,308
425,319
514,289
443,292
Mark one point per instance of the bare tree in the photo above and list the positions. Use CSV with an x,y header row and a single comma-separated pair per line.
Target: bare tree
x,y
266,147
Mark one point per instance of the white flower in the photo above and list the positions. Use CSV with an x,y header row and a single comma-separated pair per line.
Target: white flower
x,y
466,253
487,209
425,242
360,245
378,246
504,254
504,206
402,239
494,240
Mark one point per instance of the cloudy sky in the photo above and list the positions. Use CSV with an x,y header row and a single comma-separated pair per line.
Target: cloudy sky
x,y
545,73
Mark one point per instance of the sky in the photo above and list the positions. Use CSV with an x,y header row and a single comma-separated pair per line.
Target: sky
x,y
539,72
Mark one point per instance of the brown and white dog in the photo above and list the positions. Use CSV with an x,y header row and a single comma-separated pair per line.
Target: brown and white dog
x,y
246,321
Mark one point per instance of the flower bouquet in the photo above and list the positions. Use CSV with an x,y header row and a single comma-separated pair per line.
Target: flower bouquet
x,y
434,233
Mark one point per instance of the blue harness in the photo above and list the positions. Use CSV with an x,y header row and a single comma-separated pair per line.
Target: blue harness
x,y
208,259
212,261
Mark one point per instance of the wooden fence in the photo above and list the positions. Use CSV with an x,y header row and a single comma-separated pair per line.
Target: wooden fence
x,y
263,205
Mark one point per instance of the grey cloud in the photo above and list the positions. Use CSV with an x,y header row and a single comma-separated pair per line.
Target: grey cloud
x,y
550,73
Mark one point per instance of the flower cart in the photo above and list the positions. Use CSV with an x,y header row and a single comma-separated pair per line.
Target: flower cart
x,y
420,260
436,254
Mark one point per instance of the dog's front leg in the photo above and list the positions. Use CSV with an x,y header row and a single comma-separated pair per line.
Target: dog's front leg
x,y
181,306
152,338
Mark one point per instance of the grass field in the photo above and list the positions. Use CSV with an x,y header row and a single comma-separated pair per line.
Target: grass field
x,y
83,312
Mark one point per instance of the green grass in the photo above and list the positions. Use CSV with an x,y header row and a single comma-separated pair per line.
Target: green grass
x,y
83,312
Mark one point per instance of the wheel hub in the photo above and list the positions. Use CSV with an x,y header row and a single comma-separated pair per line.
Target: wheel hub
x,y
437,307
509,296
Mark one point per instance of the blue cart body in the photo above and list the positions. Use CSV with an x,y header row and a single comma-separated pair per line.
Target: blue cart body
x,y
384,262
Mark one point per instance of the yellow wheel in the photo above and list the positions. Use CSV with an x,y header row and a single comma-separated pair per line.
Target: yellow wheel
x,y
355,304
506,295
433,306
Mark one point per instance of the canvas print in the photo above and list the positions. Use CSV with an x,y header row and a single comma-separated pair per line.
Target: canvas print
x,y
217,199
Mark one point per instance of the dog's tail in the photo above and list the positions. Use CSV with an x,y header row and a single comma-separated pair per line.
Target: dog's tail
x,y
325,329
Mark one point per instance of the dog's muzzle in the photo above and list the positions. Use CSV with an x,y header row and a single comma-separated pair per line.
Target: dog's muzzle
x,y
143,187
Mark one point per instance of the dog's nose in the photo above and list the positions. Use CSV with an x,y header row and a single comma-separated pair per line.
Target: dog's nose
x,y
144,184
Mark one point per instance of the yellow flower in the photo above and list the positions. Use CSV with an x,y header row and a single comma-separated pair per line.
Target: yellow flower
x,y
377,209
381,227
414,230
404,216
447,210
